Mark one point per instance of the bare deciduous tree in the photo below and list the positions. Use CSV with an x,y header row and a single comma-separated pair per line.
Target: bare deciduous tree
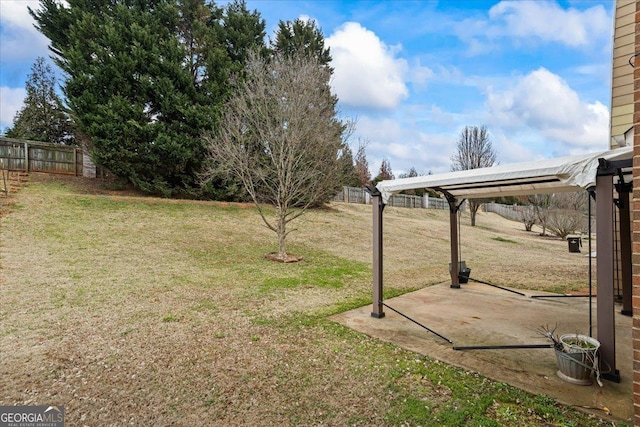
x,y
562,222
568,213
560,213
574,200
279,134
474,151
541,203
528,216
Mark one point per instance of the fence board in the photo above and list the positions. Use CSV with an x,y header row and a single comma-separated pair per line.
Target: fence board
x,y
31,156
360,195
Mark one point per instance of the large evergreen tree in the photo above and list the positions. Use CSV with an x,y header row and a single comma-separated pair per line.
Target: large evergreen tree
x,y
304,39
146,79
362,165
244,32
348,173
301,38
43,116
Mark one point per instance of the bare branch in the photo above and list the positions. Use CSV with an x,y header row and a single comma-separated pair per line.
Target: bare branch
x,y
474,151
281,137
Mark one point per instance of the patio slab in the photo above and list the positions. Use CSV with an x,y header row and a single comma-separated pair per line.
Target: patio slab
x,y
479,315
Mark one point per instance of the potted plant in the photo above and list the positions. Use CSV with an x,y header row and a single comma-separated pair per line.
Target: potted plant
x,y
576,355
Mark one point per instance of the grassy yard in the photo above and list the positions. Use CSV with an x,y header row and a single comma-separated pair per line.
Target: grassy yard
x,y
142,311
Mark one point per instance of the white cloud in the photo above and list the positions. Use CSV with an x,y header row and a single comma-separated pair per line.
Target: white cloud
x,y
511,149
549,22
543,103
16,13
10,103
401,151
18,32
405,146
420,74
367,71
526,23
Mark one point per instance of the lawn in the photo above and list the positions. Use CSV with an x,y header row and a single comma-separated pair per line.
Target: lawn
x,y
133,310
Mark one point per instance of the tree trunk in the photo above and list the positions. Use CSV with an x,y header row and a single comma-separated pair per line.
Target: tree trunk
x,y
282,234
473,210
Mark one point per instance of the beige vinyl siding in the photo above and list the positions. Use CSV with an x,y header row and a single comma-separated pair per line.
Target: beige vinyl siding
x,y
622,95
622,73
624,8
624,79
621,61
626,15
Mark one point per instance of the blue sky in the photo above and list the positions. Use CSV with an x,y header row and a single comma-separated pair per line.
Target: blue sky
x,y
414,73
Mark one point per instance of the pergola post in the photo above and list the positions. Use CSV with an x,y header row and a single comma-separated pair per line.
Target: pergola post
x,y
453,231
378,206
606,332
624,189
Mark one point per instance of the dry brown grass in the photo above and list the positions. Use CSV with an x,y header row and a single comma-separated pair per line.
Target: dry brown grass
x,y
142,311
417,248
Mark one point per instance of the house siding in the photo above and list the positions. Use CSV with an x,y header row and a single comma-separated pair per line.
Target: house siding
x,y
625,7
622,75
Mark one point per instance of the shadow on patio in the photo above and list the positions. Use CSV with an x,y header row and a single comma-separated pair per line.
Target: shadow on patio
x,y
479,314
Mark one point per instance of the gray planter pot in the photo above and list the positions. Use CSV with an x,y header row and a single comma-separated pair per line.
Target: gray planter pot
x,y
578,359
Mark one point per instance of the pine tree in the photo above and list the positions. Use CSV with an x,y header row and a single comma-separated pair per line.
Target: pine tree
x,y
43,117
384,173
412,174
244,32
301,38
362,165
349,175
146,80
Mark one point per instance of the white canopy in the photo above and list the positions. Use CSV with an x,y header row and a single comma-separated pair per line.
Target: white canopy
x,y
541,176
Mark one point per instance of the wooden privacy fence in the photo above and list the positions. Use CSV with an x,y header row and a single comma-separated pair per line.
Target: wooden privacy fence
x,y
31,156
360,195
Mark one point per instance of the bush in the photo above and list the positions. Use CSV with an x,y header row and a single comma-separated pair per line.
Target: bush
x,y
562,222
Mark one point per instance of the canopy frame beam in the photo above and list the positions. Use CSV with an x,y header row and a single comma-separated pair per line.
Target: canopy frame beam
x,y
554,175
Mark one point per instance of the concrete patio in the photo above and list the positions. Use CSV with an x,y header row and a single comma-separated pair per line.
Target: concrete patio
x,y
478,315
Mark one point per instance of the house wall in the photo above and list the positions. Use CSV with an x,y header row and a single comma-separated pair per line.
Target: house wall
x,y
636,219
622,104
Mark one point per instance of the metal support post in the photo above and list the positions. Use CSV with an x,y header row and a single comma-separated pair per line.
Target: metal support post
x,y
606,332
453,231
378,206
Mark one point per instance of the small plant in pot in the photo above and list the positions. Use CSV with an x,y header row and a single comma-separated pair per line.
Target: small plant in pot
x,y
576,355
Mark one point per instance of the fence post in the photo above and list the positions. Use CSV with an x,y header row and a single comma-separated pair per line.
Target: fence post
x,y
26,157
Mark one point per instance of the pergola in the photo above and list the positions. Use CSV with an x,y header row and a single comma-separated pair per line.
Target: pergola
x,y
599,173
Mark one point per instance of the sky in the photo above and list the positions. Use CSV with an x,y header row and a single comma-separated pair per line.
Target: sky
x,y
413,74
